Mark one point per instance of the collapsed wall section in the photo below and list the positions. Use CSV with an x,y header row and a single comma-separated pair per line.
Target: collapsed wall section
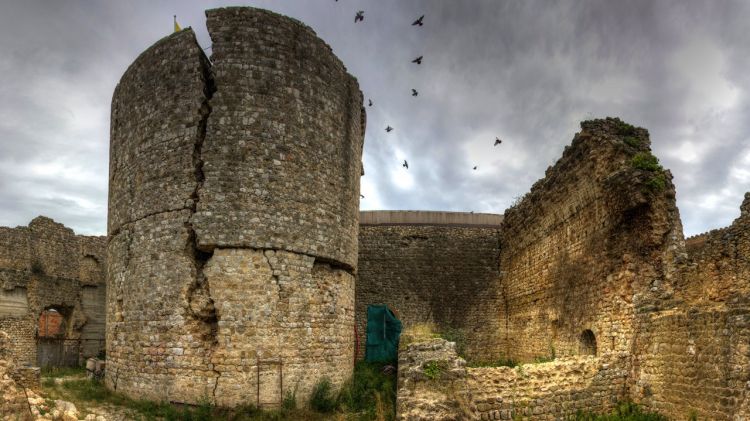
x,y
236,286
433,267
587,244
45,265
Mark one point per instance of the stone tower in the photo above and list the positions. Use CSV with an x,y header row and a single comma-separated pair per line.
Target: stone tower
x,y
233,215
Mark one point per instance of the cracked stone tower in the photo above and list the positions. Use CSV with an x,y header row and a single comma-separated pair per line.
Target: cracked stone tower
x,y
233,215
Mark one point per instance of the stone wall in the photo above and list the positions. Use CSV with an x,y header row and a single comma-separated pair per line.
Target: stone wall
x,y
45,265
439,268
435,384
585,243
234,189
692,358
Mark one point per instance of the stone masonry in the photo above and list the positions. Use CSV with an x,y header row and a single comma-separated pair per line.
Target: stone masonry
x,y
433,267
45,265
594,271
233,216
234,245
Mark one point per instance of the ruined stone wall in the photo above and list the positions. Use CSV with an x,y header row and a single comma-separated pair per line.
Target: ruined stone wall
x,y
435,384
552,390
46,265
234,189
585,243
718,268
692,358
427,271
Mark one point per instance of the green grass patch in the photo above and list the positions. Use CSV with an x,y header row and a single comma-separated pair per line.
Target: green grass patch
x,y
626,411
55,372
368,395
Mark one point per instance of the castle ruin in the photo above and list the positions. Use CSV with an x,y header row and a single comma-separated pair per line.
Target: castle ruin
x,y
44,267
239,268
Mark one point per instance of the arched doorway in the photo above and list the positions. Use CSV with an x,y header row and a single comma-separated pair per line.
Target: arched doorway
x,y
587,343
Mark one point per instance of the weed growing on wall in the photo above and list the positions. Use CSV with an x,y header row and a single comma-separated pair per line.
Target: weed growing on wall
x,y
433,369
632,141
646,161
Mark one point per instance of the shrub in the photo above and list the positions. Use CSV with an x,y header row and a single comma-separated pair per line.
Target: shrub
x,y
632,141
657,182
625,129
369,391
645,161
322,399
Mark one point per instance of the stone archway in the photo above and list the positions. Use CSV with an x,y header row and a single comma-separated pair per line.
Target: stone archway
x,y
587,343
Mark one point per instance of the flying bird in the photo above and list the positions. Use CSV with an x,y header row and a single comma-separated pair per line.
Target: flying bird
x,y
416,22
361,195
360,16
475,167
389,129
417,60
405,164
369,103
497,141
414,92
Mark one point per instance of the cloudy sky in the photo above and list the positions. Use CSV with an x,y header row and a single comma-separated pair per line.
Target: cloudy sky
x,y
526,71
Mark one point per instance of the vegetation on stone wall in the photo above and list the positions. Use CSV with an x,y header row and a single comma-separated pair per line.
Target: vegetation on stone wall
x,y
646,161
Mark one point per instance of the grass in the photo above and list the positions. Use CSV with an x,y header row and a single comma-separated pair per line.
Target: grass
x,y
368,395
55,372
626,411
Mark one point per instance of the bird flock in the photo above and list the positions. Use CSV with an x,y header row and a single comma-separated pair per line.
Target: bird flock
x,y
360,17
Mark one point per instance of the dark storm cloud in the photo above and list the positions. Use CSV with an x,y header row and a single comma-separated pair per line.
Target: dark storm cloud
x,y
526,71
